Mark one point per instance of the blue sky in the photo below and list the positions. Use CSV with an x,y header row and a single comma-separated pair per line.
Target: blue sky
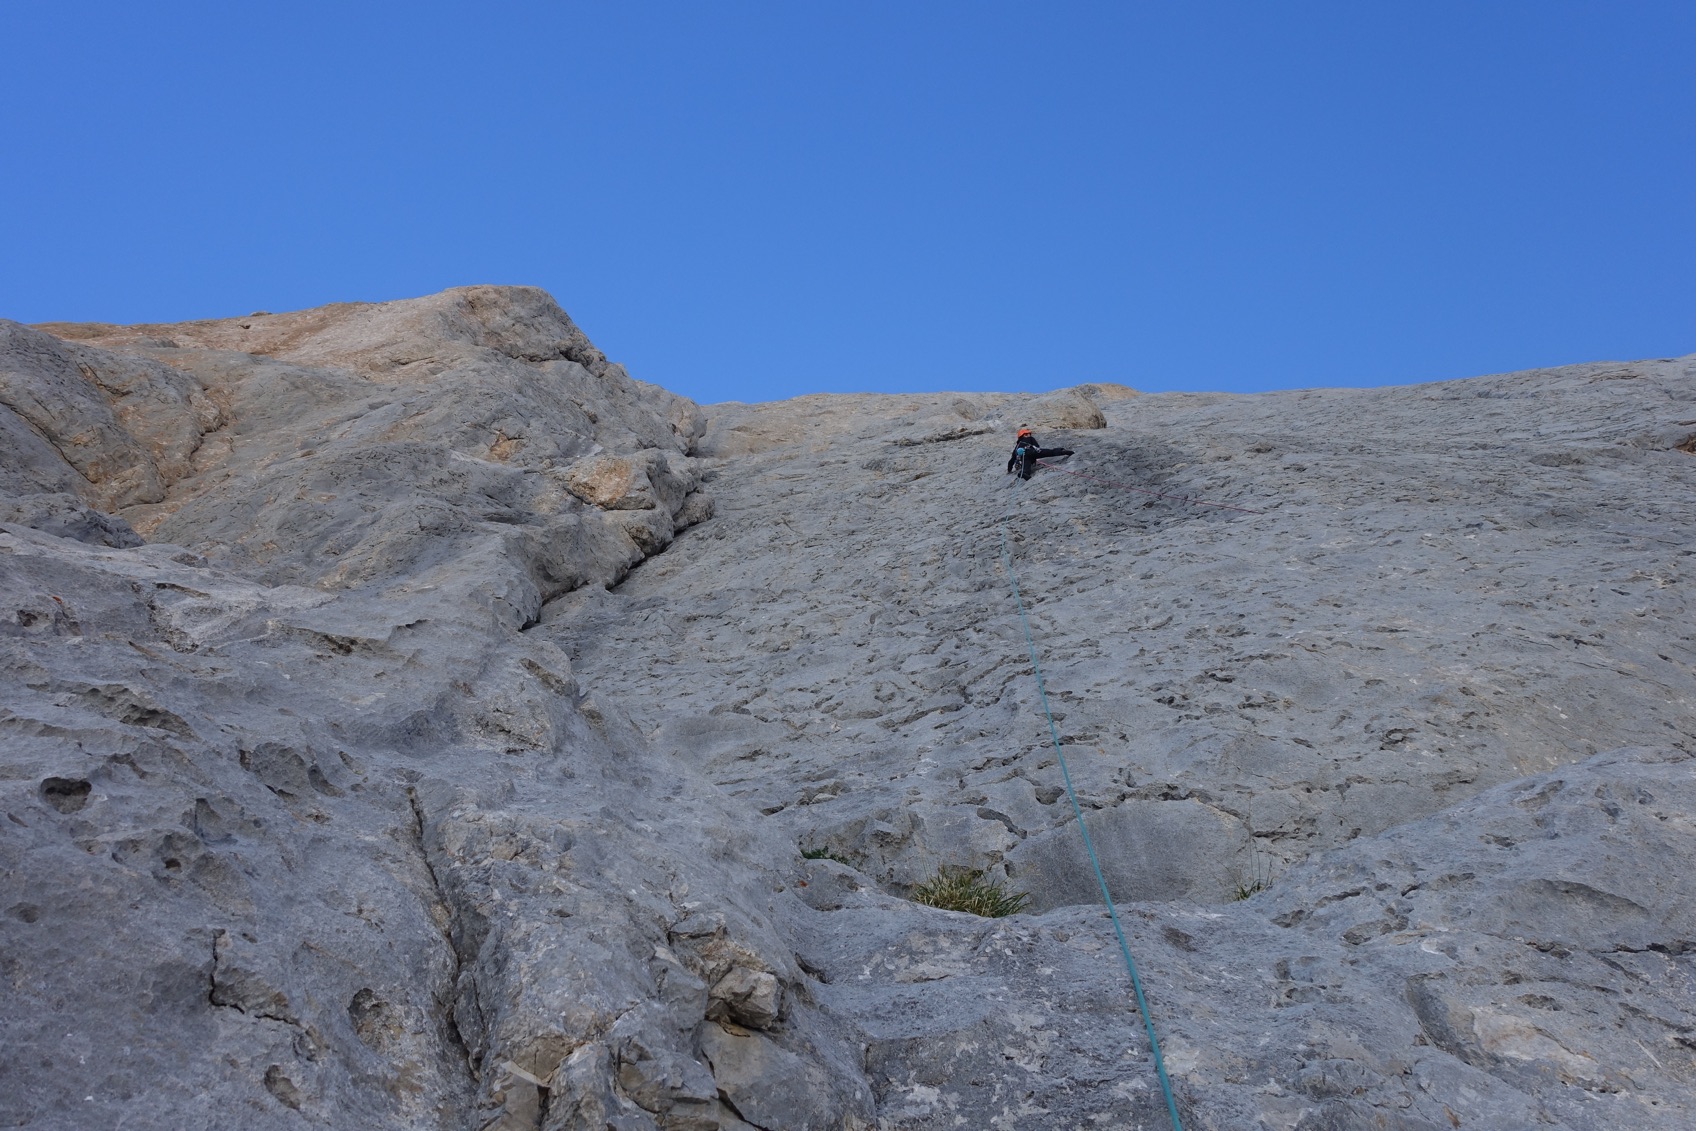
x,y
756,200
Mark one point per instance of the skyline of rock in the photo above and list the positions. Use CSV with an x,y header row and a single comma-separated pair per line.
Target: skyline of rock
x,y
412,720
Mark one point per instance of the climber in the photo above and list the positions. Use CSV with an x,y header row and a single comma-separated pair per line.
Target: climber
x,y
1026,451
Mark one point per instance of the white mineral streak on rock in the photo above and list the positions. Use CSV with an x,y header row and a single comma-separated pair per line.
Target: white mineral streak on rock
x,y
421,771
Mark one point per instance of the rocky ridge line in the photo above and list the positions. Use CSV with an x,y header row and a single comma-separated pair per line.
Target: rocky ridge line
x,y
443,755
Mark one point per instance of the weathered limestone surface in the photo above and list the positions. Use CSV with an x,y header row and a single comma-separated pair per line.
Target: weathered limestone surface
x,y
1450,586
444,756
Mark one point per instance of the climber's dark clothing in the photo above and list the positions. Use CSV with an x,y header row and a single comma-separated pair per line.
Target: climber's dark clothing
x,y
1016,462
1025,455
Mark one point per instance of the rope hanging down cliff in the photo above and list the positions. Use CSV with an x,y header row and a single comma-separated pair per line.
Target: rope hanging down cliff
x,y
1089,844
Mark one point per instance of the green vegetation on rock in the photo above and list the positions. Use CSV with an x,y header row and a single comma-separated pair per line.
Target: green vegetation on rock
x,y
957,889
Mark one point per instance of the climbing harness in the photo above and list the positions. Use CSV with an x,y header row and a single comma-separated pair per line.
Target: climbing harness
x,y
1141,491
1077,811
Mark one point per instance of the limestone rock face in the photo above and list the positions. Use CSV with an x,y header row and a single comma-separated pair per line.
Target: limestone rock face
x,y
1067,409
445,755
359,442
123,428
1447,588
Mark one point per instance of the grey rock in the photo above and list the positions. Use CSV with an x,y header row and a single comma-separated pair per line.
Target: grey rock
x,y
767,1085
446,756
1410,975
753,998
125,426
1411,620
1148,850
68,517
1066,409
1438,598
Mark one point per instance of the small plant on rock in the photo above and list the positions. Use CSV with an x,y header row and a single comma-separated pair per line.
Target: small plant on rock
x,y
824,854
969,890
1257,880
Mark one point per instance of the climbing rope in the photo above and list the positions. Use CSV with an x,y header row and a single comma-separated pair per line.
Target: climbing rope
x,y
1089,844
1142,491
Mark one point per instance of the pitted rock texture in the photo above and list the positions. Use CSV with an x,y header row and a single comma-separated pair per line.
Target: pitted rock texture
x,y
365,442
1448,586
444,756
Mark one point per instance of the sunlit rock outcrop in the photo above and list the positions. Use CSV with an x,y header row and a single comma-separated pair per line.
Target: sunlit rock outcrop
x,y
411,720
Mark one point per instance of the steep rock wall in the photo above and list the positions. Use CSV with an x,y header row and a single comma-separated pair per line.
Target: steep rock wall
x,y
444,760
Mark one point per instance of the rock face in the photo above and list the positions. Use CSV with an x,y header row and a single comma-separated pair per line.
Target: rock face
x,y
445,755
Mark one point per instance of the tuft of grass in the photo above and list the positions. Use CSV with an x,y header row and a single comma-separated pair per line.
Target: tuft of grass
x,y
1256,881
824,854
1248,889
968,890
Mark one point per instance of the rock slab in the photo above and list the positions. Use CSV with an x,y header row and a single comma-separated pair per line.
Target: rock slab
x,y
411,720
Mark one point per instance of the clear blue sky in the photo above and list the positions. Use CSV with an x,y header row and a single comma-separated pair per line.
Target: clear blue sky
x,y
755,200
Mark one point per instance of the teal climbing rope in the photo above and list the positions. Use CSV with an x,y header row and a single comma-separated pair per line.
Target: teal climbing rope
x,y
1089,844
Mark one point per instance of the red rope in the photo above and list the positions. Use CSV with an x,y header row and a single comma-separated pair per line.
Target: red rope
x,y
1140,491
